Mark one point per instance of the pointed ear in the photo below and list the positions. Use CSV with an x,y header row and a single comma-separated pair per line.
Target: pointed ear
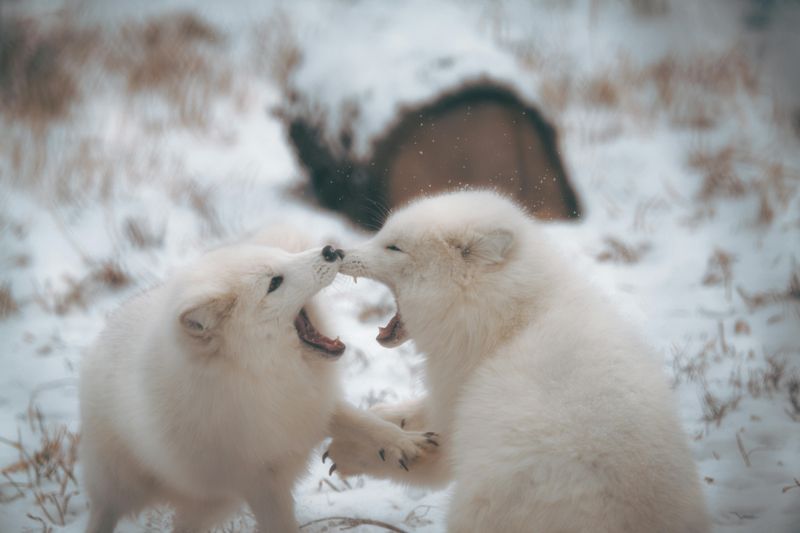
x,y
202,319
492,247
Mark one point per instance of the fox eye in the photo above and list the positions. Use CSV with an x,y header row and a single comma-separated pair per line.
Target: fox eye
x,y
393,248
275,283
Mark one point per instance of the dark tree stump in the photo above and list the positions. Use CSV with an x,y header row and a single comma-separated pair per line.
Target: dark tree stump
x,y
481,135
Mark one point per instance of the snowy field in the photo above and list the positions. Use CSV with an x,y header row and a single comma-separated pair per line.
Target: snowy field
x,y
134,136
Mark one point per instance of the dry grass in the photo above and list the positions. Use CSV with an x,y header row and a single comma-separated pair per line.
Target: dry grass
x,y
695,93
766,214
601,92
200,199
724,74
418,516
720,178
769,380
8,305
794,485
555,92
619,252
768,377
102,276
276,52
177,57
59,171
685,368
720,270
735,171
45,473
741,327
343,523
793,388
141,234
790,295
37,69
715,409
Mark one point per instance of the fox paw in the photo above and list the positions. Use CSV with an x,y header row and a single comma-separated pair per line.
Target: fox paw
x,y
374,456
406,451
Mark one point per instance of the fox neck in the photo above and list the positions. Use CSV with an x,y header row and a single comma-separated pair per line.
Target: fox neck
x,y
457,337
254,349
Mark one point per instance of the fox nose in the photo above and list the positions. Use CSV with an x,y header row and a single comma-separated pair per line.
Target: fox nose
x,y
331,254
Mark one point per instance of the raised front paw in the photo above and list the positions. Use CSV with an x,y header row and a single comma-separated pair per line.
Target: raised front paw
x,y
406,451
404,415
379,452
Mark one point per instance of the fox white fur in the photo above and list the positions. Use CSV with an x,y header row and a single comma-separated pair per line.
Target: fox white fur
x,y
554,415
200,394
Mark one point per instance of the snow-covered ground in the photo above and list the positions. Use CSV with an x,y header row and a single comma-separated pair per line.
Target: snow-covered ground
x,y
675,128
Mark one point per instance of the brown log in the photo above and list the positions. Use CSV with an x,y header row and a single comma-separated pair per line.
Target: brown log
x,y
480,135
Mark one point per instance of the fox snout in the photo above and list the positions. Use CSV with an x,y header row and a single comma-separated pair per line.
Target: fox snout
x,y
331,254
353,265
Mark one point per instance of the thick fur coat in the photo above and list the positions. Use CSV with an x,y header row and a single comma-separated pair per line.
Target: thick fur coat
x,y
201,393
554,414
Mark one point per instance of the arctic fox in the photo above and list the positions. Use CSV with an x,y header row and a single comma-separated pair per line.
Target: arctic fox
x,y
213,388
554,416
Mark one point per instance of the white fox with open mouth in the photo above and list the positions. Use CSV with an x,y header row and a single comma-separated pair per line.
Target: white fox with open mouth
x,y
212,389
553,415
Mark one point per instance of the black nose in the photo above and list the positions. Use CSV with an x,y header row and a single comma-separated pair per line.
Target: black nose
x,y
330,254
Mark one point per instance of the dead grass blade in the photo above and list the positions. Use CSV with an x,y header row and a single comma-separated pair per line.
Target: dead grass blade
x,y
344,523
619,252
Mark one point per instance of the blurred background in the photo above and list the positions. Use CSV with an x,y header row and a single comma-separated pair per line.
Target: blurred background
x,y
657,140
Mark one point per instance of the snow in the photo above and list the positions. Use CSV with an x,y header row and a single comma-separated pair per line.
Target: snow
x,y
68,206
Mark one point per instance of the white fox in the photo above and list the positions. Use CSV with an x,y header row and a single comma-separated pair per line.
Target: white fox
x,y
554,416
213,388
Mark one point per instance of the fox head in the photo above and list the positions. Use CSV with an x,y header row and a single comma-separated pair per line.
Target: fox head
x,y
235,294
453,261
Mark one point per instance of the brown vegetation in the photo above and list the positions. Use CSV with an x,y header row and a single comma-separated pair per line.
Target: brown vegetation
x,y
8,305
276,52
693,93
791,294
141,235
769,378
720,178
720,270
601,92
37,69
46,473
102,275
619,252
735,171
344,523
173,56
715,409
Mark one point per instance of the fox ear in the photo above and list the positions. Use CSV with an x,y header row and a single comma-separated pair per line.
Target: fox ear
x,y
202,319
490,247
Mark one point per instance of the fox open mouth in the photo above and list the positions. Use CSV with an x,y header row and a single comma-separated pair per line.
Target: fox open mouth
x,y
392,334
331,348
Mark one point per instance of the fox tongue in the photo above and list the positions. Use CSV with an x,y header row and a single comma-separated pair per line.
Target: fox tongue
x,y
329,348
392,334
